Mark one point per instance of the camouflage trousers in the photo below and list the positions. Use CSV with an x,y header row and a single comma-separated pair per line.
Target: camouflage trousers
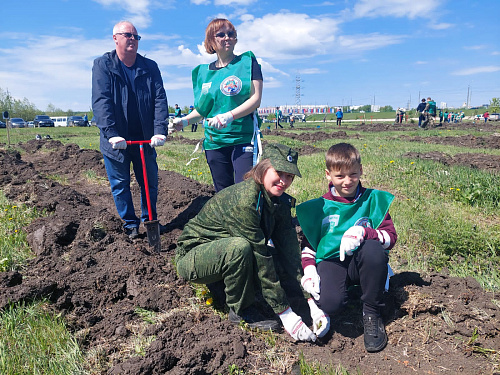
x,y
243,272
428,120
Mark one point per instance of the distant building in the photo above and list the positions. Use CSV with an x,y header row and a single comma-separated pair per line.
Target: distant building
x,y
375,108
443,105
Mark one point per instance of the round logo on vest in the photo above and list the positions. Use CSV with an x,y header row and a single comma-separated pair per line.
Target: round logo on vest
x,y
231,86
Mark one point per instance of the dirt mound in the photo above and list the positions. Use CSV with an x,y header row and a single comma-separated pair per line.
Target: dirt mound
x,y
100,280
471,141
479,161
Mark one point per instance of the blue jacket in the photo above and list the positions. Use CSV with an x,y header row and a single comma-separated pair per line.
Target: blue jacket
x,y
110,98
339,114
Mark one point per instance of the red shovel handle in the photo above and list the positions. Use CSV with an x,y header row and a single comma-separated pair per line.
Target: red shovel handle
x,y
138,142
145,173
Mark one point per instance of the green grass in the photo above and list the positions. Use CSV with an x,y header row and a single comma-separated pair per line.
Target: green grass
x,y
14,250
33,340
446,216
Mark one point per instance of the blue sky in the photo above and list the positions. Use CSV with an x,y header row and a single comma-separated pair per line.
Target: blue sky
x,y
383,52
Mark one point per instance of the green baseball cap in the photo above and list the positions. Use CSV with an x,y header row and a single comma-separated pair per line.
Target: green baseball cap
x,y
282,158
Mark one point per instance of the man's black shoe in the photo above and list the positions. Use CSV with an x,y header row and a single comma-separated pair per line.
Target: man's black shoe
x,y
254,319
132,233
375,336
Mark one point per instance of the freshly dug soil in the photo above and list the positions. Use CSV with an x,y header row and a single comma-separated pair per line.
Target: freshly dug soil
x,y
100,280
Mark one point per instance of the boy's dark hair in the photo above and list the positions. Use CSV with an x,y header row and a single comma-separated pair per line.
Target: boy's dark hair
x,y
342,155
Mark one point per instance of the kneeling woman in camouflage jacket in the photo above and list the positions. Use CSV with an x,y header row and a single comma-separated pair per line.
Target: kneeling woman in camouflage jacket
x,y
229,241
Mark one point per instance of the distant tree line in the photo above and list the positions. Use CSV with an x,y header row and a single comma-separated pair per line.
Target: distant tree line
x,y
27,110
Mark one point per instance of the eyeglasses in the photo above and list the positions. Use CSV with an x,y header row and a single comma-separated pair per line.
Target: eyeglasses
x,y
130,35
230,35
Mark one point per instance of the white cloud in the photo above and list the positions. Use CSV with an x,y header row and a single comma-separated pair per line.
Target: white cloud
x,y
397,8
312,71
440,26
138,11
61,62
200,2
357,43
420,62
477,70
284,36
475,48
233,2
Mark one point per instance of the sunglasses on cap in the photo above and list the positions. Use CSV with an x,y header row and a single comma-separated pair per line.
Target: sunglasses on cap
x,y
130,35
230,34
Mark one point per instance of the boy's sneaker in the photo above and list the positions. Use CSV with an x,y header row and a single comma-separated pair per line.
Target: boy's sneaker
x,y
132,233
254,319
375,336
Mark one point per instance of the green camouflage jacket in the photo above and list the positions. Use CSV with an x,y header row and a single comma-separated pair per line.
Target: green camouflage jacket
x,y
246,210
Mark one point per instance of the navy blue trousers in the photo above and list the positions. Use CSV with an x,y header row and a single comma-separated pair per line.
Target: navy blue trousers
x,y
366,267
229,164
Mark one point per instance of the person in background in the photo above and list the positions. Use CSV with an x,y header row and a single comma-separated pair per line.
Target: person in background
x,y
430,112
339,116
292,120
85,120
420,110
194,125
486,116
129,103
348,235
441,117
227,93
278,115
177,111
244,238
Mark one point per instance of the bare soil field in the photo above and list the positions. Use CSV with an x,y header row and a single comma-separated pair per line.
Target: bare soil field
x,y
97,278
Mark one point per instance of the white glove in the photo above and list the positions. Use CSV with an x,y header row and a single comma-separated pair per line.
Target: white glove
x,y
352,238
310,281
321,320
118,143
158,140
221,121
177,124
295,326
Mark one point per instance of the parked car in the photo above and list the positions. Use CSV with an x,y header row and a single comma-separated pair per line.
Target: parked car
x,y
93,122
76,121
2,124
31,124
43,121
16,122
494,116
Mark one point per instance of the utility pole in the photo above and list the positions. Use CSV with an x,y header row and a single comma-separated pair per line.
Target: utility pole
x,y
468,88
298,102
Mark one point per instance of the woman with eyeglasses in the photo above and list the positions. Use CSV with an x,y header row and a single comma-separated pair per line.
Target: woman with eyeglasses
x,y
227,93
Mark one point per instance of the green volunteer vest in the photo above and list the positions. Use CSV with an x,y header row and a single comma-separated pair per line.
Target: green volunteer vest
x,y
432,107
324,221
219,91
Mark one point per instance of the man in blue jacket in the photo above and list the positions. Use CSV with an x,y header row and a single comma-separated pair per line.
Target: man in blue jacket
x,y
129,103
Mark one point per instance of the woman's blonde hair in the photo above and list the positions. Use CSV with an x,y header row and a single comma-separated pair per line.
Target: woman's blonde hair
x,y
214,26
258,171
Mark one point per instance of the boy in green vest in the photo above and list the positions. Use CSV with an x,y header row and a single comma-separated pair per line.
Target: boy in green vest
x,y
348,234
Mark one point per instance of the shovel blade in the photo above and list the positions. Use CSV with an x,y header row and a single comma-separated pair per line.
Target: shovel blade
x,y
153,232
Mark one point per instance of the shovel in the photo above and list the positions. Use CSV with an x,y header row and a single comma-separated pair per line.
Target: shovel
x,y
152,226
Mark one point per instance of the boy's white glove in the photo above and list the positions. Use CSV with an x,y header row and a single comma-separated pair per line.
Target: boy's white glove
x,y
295,326
310,281
158,140
221,121
321,320
118,143
352,238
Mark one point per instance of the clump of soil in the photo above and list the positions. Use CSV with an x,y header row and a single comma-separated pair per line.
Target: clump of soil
x,y
99,279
